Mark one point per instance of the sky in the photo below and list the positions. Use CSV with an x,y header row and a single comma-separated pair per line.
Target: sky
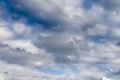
x,y
60,39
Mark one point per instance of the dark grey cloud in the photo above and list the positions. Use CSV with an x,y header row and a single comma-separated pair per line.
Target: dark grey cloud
x,y
48,12
111,4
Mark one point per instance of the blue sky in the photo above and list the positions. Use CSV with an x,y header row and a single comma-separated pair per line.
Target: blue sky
x,y
60,39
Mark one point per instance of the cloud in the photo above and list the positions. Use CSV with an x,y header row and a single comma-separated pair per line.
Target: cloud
x,y
5,32
98,30
112,4
43,10
22,44
81,42
20,28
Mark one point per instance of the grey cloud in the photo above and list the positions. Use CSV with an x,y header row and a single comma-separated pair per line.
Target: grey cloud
x,y
19,56
48,11
73,47
58,46
112,4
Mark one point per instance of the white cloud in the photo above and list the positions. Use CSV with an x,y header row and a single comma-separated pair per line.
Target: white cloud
x,y
23,44
13,72
1,76
104,78
115,16
116,32
5,32
19,28
77,46
99,29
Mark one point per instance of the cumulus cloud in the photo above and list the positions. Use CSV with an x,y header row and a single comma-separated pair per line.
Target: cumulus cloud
x,y
5,31
80,42
98,30
25,45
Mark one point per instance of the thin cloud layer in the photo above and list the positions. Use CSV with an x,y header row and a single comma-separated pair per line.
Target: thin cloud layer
x,y
60,40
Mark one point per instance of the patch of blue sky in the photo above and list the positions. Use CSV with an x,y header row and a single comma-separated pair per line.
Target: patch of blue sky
x,y
87,4
103,68
98,39
17,14
62,66
118,44
98,1
52,71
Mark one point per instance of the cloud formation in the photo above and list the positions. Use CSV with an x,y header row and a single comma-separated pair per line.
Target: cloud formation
x,y
78,38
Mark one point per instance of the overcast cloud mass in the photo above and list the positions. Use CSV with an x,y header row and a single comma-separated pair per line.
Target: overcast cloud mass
x,y
60,39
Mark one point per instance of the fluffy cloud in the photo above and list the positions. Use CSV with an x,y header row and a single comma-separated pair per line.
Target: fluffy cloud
x,y
22,44
80,42
98,30
5,32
